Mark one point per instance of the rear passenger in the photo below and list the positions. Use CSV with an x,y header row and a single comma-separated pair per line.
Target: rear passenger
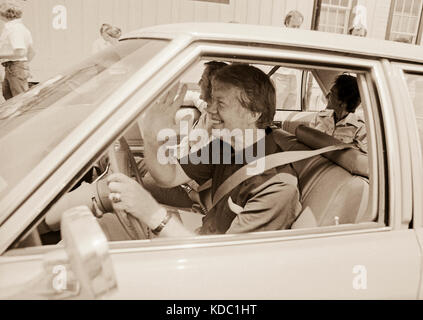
x,y
339,119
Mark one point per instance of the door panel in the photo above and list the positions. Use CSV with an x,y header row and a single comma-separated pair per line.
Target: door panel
x,y
318,268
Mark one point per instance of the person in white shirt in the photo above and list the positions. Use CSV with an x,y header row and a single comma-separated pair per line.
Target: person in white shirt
x,y
339,118
358,30
109,37
359,24
16,50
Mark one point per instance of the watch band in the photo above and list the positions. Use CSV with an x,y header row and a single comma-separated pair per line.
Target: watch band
x,y
163,224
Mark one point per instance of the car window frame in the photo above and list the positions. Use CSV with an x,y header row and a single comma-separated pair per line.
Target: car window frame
x,y
126,114
402,69
220,57
396,122
310,73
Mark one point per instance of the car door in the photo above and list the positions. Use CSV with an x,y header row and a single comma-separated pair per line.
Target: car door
x,y
412,75
369,260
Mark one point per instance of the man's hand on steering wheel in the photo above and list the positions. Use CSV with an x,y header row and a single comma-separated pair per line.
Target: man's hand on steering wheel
x,y
129,196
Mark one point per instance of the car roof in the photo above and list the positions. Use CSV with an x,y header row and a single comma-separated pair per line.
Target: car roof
x,y
311,39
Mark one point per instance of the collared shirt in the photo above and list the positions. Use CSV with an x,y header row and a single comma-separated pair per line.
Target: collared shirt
x,y
350,129
15,36
266,201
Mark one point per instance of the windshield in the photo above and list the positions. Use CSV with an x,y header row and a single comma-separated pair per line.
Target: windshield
x,y
34,123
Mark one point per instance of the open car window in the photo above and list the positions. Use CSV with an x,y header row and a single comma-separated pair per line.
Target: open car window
x,y
362,197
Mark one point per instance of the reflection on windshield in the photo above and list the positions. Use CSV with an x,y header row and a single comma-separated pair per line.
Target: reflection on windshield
x,y
36,122
15,107
43,95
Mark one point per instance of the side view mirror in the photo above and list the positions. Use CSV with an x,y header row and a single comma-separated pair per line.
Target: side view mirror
x,y
81,269
88,252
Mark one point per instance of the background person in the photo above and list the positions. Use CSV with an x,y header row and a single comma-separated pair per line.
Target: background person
x,y
358,30
359,23
294,19
109,36
16,50
338,119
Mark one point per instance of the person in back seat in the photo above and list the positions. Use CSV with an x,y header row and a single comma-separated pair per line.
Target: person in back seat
x,y
339,119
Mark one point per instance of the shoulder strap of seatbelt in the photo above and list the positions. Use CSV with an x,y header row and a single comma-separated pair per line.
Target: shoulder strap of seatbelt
x,y
270,162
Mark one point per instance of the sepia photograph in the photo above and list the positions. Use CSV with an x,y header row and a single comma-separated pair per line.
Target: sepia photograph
x,y
211,150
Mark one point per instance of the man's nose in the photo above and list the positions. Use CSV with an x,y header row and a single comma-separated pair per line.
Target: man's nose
x,y
212,107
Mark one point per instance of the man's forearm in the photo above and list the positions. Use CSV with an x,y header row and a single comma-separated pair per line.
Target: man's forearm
x,y
173,227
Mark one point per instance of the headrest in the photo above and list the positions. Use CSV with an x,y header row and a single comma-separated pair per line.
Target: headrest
x,y
352,160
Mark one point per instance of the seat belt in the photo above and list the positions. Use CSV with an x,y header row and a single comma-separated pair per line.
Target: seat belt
x,y
270,162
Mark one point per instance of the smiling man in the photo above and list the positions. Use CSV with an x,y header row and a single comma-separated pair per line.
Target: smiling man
x,y
243,103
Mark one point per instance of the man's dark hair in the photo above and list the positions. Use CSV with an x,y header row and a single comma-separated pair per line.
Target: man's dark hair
x,y
257,91
348,91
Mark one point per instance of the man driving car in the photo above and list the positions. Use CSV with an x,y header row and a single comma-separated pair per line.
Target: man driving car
x,y
183,196
243,102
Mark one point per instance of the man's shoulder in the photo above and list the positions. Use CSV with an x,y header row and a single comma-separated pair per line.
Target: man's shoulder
x,y
273,180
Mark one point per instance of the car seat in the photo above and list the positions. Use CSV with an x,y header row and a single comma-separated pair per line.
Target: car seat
x,y
334,187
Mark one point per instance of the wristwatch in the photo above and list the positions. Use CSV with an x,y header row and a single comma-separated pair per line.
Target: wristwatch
x,y
166,219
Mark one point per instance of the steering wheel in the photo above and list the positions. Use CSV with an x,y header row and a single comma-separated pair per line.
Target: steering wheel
x,y
122,160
